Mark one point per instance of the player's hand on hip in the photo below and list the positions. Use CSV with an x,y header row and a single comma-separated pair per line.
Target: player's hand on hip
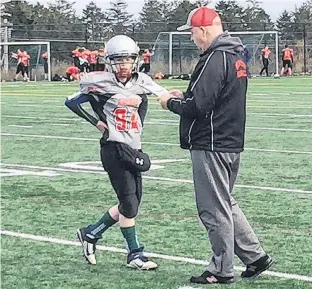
x,y
101,126
177,93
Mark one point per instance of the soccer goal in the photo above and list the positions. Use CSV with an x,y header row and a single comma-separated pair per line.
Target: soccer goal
x,y
34,50
175,53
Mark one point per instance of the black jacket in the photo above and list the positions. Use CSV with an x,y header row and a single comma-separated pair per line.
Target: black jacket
x,y
213,110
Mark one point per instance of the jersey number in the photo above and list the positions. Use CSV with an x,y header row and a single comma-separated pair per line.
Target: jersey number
x,y
125,122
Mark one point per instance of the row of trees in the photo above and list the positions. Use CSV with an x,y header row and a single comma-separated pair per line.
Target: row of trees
x,y
59,23
59,20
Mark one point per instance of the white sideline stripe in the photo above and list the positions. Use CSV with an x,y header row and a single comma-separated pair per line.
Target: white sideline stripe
x,y
248,106
59,124
148,143
160,121
157,178
25,105
279,114
260,114
40,117
36,105
272,101
21,126
277,107
175,123
278,129
152,255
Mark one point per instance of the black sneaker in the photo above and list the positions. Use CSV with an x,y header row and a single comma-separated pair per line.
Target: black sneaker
x,y
256,268
209,278
88,243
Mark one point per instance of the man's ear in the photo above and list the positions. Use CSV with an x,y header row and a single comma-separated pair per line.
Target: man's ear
x,y
203,30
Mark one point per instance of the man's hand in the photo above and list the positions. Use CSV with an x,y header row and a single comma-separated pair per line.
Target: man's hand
x,y
163,99
101,126
177,93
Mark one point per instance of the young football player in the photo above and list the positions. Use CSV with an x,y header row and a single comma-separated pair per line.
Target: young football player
x,y
265,60
288,60
119,101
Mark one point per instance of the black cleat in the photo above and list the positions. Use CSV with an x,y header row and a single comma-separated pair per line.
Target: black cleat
x,y
209,278
88,244
256,268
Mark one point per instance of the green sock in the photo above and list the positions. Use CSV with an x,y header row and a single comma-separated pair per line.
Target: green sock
x,y
131,238
102,225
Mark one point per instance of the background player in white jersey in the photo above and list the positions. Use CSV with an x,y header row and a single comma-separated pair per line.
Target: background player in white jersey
x,y
119,102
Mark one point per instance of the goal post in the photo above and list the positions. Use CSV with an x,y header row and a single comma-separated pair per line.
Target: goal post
x,y
179,54
34,48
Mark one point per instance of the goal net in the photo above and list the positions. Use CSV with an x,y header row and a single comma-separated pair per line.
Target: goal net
x,y
175,53
39,61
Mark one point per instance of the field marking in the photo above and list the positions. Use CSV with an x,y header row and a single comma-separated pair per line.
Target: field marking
x,y
152,101
184,181
159,121
269,100
21,126
148,254
53,100
36,105
12,173
59,124
260,114
278,107
163,121
40,117
148,143
279,114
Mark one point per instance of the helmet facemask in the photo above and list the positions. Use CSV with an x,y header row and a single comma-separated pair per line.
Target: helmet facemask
x,y
123,65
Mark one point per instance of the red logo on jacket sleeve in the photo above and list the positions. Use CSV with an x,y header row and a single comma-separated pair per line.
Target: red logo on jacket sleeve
x,y
240,66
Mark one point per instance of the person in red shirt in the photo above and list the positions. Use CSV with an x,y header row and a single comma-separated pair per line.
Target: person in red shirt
x,y
101,60
72,73
265,60
93,60
44,56
75,55
23,60
147,60
83,59
20,66
288,60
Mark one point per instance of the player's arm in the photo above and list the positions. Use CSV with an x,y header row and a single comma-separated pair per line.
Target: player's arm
x,y
200,100
74,102
150,86
143,108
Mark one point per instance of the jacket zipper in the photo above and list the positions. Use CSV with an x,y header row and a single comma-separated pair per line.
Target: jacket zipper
x,y
189,134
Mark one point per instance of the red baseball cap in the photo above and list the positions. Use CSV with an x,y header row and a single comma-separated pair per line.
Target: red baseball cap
x,y
202,16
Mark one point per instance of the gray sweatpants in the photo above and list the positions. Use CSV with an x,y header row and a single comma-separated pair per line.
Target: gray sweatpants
x,y
229,232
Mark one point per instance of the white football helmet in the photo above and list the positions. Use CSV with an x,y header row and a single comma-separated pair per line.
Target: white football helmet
x,y
122,55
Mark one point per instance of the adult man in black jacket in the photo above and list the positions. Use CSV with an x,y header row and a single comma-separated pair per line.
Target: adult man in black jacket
x,y
212,126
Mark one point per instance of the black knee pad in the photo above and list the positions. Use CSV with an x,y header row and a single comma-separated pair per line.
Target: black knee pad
x,y
129,206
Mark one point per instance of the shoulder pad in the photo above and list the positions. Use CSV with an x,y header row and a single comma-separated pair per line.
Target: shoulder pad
x,y
149,85
98,81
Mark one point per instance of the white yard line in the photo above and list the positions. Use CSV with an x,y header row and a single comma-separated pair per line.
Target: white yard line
x,y
21,126
272,101
280,114
151,255
148,143
278,107
184,181
40,117
175,123
25,105
59,124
